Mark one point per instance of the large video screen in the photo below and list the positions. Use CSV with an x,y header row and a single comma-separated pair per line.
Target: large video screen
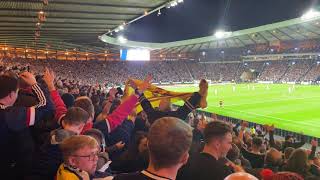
x,y
135,54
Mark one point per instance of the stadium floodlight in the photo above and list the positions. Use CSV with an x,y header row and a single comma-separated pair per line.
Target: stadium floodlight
x,y
173,3
222,34
121,27
180,1
310,15
122,39
116,30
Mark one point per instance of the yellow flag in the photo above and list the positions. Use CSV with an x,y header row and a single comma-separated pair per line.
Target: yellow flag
x,y
155,94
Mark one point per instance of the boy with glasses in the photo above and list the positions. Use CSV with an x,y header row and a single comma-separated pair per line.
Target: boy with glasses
x,y
80,154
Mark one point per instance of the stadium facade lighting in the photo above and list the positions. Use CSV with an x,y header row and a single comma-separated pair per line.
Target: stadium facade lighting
x,y
203,53
159,12
121,27
310,14
180,1
122,39
267,64
222,34
179,55
222,52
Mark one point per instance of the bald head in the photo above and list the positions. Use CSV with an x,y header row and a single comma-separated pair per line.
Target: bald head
x,y
240,176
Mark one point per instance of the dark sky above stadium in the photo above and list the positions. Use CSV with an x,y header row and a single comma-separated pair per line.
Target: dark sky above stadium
x,y
198,18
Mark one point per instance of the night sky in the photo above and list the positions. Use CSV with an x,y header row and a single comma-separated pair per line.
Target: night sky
x,y
198,18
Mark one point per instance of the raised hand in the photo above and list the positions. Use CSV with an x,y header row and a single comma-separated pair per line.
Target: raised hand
x,y
146,83
49,77
28,78
112,92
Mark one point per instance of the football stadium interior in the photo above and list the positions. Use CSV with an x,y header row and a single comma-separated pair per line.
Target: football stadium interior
x,y
62,61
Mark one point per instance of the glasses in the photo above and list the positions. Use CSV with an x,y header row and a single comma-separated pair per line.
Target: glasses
x,y
90,157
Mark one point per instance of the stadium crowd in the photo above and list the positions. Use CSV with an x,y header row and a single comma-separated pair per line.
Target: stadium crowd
x,y
116,73
62,124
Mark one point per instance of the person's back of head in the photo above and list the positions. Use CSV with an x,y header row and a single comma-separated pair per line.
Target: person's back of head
x,y
8,89
218,138
85,103
240,176
169,140
98,136
273,157
68,99
75,119
257,142
298,162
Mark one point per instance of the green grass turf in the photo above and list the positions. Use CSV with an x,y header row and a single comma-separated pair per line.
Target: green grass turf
x,y
298,111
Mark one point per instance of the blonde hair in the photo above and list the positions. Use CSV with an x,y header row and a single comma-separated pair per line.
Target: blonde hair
x,y
72,144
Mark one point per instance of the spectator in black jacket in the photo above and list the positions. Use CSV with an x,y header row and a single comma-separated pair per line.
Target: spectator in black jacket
x,y
255,156
169,140
211,162
15,138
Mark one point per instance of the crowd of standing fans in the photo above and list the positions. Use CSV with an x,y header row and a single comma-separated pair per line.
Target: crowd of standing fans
x,y
109,73
58,121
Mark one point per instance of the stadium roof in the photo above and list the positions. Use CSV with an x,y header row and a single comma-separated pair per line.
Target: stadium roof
x,y
69,24
302,28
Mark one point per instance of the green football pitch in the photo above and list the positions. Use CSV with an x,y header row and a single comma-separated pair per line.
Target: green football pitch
x,y
294,108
